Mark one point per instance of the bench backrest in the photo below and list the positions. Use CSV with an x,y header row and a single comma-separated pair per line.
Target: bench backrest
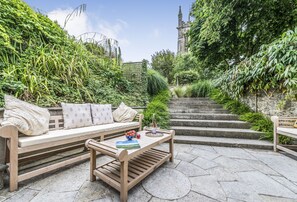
x,y
57,120
287,122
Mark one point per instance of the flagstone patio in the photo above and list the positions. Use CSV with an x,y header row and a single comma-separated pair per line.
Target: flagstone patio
x,y
199,173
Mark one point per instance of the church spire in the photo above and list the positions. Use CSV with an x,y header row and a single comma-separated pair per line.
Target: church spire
x,y
180,17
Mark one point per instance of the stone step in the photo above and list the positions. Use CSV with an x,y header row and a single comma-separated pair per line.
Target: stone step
x,y
204,116
192,102
216,132
210,123
190,99
195,106
206,111
224,142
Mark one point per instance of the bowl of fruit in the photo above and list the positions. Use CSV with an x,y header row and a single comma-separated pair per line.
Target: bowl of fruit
x,y
130,134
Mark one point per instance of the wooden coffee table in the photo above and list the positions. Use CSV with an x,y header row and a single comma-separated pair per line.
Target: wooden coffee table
x,y
129,166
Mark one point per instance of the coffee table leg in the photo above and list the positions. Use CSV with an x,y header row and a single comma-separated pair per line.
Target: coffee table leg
x,y
171,145
124,181
92,164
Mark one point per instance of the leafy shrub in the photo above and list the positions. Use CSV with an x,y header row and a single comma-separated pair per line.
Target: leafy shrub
x,y
186,77
201,89
237,107
180,91
219,96
162,61
261,123
158,106
155,82
184,62
189,91
272,68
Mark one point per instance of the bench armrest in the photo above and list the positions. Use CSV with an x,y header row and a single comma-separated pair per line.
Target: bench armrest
x,y
140,118
9,131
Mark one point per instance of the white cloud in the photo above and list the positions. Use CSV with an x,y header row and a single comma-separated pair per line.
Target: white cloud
x,y
81,24
111,30
76,25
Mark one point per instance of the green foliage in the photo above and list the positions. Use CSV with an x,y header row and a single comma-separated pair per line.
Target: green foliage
x,y
198,89
261,123
185,61
258,121
181,91
228,31
155,82
219,96
201,89
158,106
236,107
162,61
186,77
41,63
274,67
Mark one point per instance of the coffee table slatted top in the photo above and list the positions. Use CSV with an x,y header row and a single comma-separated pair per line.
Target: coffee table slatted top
x,y
145,143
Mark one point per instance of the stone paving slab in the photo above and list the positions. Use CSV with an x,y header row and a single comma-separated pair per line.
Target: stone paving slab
x,y
190,169
199,173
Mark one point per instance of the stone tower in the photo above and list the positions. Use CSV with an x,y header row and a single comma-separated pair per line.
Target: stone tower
x,y
183,28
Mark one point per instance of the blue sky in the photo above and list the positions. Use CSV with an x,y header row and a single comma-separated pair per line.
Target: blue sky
x,y
141,27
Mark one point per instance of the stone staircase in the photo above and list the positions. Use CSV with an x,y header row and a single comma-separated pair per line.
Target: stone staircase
x,y
202,121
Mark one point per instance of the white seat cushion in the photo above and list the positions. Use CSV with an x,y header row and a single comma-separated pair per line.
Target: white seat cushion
x,y
287,131
59,135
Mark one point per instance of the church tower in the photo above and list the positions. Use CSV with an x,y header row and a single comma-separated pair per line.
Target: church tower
x,y
183,28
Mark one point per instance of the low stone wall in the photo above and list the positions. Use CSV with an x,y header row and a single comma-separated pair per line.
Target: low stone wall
x,y
269,105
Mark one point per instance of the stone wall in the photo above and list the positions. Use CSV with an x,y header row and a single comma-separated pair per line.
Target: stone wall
x,y
269,105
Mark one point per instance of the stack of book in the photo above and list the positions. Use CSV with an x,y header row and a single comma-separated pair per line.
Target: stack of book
x,y
128,144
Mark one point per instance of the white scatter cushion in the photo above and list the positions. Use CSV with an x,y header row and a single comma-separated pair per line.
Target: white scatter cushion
x,y
124,113
28,118
76,115
101,114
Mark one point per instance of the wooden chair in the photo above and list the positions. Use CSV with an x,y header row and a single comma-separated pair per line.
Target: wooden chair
x,y
284,126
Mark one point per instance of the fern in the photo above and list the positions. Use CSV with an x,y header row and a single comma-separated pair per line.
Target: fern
x,y
155,82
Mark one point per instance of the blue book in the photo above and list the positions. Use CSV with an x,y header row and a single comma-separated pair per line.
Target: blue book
x,y
128,144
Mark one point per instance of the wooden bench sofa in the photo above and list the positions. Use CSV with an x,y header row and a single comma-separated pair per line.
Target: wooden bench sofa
x,y
58,139
284,126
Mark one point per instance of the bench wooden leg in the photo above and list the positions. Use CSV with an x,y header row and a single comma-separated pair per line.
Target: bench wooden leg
x,y
92,164
124,181
275,141
13,164
171,149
